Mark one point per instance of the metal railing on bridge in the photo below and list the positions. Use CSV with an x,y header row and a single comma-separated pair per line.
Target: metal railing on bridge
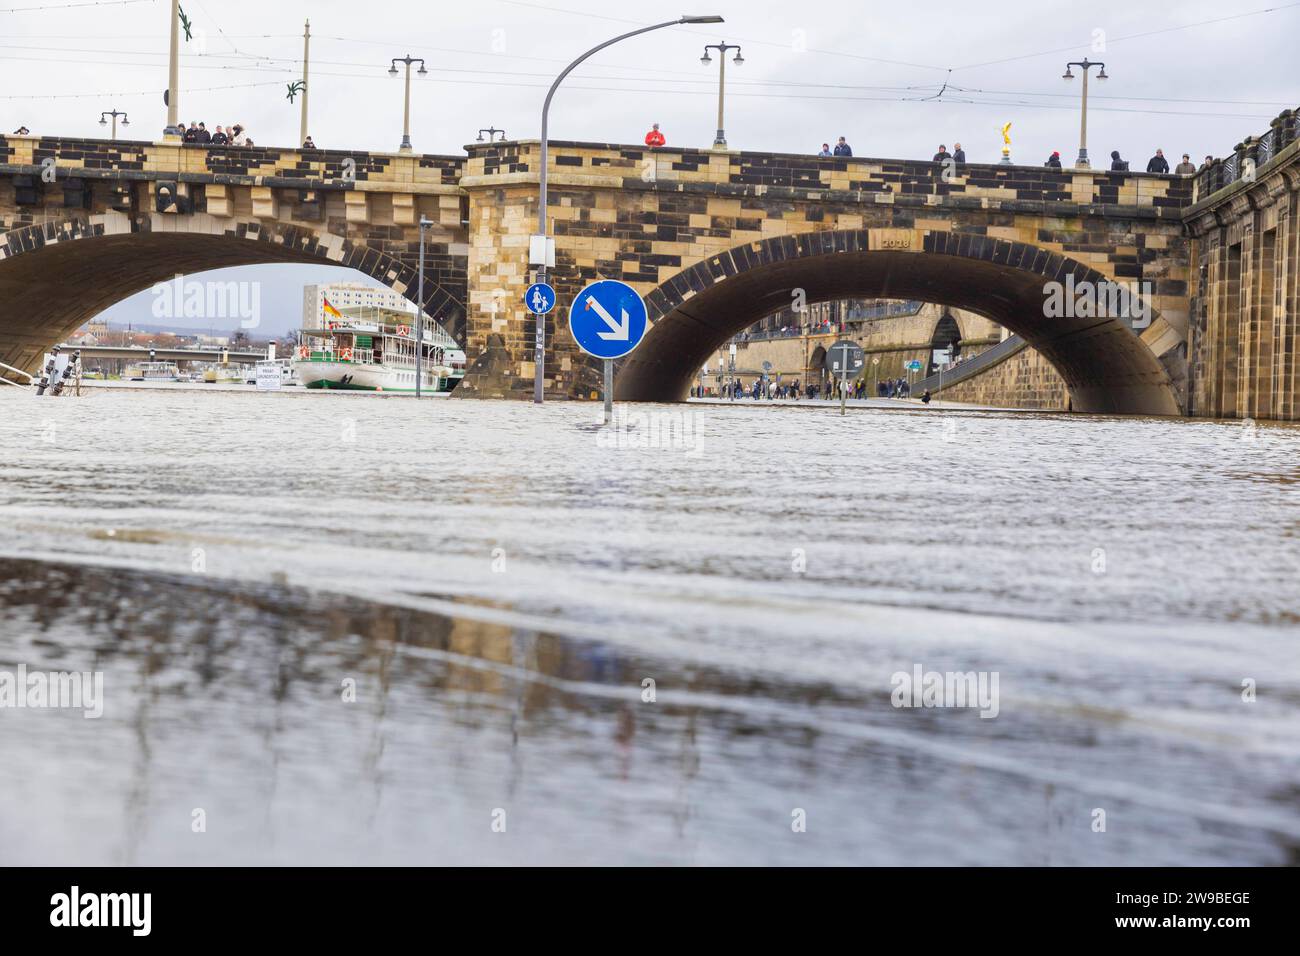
x,y
1253,152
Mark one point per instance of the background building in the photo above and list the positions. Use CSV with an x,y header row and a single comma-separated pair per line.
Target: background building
x,y
367,302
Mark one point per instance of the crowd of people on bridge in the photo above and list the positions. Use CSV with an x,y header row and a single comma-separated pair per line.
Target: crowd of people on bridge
x,y
197,134
1157,163
770,389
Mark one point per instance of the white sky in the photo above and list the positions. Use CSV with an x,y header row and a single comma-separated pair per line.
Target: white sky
x,y
814,70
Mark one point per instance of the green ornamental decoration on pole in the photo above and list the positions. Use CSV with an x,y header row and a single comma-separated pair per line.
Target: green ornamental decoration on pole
x,y
186,25
296,87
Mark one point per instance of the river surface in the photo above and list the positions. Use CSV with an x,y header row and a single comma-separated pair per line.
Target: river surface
x,y
350,629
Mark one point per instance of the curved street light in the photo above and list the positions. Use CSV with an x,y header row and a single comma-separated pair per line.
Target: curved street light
x,y
539,357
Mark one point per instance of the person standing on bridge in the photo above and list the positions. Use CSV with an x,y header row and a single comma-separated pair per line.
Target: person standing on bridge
x,y
842,148
1185,168
1054,161
203,136
219,138
942,155
655,139
1117,165
1158,163
826,151
958,154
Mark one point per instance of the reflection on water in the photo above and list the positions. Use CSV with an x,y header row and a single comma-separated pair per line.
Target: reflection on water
x,y
497,588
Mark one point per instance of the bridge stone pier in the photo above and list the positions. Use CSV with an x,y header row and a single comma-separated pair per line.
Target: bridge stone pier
x,y
714,240
1245,227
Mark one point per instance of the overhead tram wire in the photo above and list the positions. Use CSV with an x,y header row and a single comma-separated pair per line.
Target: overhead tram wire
x,y
1131,36
38,8
771,43
949,70
286,71
120,93
786,84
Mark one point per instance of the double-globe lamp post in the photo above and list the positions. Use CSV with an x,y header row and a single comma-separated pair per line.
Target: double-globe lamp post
x,y
720,141
1085,65
103,120
539,252
406,115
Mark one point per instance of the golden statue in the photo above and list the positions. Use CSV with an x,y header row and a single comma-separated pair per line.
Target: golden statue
x,y
1006,143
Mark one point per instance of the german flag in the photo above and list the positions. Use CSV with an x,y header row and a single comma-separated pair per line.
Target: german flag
x,y
330,310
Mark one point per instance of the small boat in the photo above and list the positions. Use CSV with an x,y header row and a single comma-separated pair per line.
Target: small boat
x,y
153,372
225,374
354,355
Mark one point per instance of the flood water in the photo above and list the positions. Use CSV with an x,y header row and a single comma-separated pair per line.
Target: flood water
x,y
496,583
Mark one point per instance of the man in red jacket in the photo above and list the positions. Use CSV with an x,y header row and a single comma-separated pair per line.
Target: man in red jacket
x,y
654,139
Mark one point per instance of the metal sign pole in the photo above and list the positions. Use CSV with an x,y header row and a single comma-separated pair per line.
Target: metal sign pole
x,y
844,381
419,316
609,391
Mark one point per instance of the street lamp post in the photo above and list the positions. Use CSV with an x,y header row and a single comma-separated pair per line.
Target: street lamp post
x,y
406,113
491,134
1085,65
419,312
103,120
720,140
539,252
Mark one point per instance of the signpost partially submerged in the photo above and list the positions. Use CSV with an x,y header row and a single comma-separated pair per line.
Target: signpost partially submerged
x,y
608,319
841,358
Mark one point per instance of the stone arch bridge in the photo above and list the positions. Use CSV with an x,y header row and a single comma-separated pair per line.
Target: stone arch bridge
x,y
714,240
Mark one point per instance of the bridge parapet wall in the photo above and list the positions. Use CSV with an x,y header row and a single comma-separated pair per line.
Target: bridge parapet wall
x,y
862,179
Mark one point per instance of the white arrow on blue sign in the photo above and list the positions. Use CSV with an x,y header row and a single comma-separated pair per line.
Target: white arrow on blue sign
x,y
540,298
608,319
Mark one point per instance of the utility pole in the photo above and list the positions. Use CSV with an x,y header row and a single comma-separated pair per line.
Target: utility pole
x,y
174,77
306,55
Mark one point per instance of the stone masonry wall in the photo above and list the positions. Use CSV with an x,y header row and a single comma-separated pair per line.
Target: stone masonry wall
x,y
644,216
1025,380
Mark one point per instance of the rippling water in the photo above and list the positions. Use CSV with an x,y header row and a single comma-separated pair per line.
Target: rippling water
x,y
498,581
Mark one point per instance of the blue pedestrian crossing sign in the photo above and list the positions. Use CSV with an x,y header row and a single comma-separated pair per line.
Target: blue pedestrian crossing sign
x,y
540,298
608,319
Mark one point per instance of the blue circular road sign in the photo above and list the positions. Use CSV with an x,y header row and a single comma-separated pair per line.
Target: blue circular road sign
x,y
608,319
540,298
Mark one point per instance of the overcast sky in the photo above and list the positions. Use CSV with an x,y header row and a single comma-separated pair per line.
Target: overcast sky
x,y
814,70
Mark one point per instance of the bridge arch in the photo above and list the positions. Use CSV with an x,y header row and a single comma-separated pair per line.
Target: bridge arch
x,y
54,277
1104,361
